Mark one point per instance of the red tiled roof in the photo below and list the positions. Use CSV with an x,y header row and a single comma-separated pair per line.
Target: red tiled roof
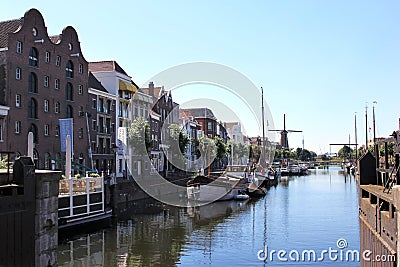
x,y
156,91
111,65
7,27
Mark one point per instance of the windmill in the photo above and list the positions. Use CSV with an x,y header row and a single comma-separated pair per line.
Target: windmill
x,y
284,134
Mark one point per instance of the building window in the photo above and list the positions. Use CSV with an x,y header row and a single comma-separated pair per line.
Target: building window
x,y
32,110
80,89
94,103
70,91
33,130
80,133
57,107
47,56
19,47
33,57
34,31
57,84
17,100
46,81
32,83
47,161
94,125
209,126
70,111
101,105
81,112
46,105
58,60
69,69
80,68
46,130
57,130
18,73
17,127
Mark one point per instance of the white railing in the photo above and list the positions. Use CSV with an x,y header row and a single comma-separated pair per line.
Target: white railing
x,y
79,196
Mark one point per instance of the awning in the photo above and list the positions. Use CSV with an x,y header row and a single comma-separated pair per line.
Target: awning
x,y
126,86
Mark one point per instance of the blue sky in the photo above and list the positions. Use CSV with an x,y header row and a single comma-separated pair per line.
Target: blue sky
x,y
319,61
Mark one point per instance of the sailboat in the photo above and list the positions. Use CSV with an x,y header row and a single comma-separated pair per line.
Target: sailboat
x,y
264,173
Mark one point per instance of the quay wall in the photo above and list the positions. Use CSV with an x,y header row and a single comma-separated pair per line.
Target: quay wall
x,y
28,217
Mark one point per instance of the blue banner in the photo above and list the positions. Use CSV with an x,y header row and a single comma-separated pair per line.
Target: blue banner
x,y
66,128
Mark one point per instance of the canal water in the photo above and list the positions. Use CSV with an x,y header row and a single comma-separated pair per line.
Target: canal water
x,y
312,220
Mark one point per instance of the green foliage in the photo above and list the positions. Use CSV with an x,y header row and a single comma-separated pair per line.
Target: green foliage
x,y
221,149
298,154
139,136
176,134
3,163
345,152
240,151
304,154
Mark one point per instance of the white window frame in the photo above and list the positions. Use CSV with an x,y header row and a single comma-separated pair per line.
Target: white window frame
x,y
80,70
57,107
80,89
17,127
19,47
58,60
18,73
17,100
57,84
46,129
47,57
46,105
46,81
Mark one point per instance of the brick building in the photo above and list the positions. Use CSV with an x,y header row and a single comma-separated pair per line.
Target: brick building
x,y
205,117
163,112
42,79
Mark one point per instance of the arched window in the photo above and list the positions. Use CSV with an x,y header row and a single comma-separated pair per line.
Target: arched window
x,y
32,83
70,111
33,129
70,92
33,57
32,109
47,161
69,69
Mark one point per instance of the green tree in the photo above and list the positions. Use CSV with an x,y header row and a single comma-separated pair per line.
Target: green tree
x,y
176,134
138,134
345,152
221,149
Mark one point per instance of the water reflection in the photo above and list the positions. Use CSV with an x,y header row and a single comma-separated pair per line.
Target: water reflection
x,y
309,212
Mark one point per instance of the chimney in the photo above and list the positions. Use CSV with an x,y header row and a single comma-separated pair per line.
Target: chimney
x,y
151,89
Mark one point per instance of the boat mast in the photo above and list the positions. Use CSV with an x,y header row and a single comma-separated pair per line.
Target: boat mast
x,y
263,127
